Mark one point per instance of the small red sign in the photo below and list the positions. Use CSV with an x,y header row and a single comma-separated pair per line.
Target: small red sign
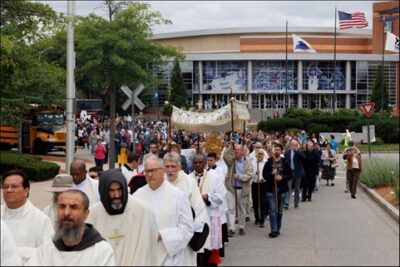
x,y
367,108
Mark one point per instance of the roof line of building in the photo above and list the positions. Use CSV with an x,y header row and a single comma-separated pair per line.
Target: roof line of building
x,y
246,30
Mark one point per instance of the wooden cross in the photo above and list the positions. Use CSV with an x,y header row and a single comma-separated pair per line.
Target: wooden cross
x,y
117,236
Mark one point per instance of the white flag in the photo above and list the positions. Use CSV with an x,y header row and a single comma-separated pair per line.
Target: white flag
x,y
300,45
392,42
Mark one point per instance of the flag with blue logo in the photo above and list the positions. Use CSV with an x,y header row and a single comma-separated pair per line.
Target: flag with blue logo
x,y
392,42
300,45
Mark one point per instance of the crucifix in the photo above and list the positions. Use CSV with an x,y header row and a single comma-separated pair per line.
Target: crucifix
x,y
117,236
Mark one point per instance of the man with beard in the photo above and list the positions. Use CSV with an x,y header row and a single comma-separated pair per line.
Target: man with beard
x,y
127,224
75,243
276,173
177,177
61,183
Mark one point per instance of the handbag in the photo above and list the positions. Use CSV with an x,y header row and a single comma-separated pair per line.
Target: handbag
x,y
335,165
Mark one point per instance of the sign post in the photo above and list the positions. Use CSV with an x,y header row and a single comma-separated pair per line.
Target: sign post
x,y
133,100
368,108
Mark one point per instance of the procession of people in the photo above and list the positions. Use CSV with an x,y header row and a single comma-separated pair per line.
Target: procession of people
x,y
193,192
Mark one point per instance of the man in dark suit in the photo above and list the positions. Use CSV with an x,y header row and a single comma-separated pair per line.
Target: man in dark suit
x,y
294,157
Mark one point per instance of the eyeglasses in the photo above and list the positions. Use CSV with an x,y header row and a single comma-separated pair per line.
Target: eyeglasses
x,y
94,176
13,187
151,171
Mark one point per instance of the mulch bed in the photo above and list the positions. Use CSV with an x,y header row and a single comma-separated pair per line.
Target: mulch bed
x,y
388,194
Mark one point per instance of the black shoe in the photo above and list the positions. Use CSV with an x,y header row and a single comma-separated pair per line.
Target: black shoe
x,y
273,234
296,206
231,233
247,219
353,197
286,206
257,221
332,184
309,199
262,225
241,231
303,200
236,221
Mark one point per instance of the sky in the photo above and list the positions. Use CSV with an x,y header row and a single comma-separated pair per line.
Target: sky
x,y
198,15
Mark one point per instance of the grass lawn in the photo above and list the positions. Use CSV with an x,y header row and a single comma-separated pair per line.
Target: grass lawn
x,y
376,148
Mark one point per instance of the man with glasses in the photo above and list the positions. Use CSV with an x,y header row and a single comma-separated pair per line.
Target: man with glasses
x,y
29,225
172,210
127,224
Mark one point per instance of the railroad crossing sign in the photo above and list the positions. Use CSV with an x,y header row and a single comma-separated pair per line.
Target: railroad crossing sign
x,y
367,108
136,99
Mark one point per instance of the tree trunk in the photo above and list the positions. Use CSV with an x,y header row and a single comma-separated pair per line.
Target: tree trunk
x,y
111,152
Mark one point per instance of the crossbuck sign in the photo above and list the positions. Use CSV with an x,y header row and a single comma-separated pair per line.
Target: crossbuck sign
x,y
136,99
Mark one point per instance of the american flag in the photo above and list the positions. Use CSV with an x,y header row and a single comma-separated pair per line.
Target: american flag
x,y
353,20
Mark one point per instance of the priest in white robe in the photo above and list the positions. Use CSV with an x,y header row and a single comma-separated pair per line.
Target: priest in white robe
x,y
128,224
172,210
9,251
177,177
29,225
130,168
213,191
82,181
75,243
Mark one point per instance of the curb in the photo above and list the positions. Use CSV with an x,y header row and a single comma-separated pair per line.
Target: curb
x,y
392,211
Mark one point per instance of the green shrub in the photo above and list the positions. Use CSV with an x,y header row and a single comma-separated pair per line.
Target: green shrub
x,y
280,124
32,165
378,141
380,172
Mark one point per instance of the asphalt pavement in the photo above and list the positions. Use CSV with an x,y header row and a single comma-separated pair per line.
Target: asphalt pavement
x,y
333,229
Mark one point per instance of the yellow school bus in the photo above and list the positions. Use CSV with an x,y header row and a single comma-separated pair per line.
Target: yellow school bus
x,y
41,132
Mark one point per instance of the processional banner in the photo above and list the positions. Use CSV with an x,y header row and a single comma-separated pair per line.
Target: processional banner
x,y
216,121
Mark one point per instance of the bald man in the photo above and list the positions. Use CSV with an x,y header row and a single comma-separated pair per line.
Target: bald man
x,y
82,181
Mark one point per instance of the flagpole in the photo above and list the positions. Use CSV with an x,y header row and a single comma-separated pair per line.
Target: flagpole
x,y
382,65
334,67
286,82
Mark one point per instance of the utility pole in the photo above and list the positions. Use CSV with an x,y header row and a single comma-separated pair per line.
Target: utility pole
x,y
70,114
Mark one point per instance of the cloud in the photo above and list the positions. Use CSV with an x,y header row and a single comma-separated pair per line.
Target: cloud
x,y
195,15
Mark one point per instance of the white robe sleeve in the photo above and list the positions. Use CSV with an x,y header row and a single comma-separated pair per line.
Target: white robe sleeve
x,y
177,238
9,250
218,192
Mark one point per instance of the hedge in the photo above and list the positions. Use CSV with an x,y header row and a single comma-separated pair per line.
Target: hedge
x,y
33,166
316,121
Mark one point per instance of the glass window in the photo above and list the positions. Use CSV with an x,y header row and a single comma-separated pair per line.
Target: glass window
x,y
271,75
320,75
220,76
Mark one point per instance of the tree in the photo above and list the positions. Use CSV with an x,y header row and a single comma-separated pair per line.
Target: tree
x,y
115,52
376,96
178,93
26,78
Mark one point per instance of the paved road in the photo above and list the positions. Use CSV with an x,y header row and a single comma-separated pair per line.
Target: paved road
x,y
333,229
